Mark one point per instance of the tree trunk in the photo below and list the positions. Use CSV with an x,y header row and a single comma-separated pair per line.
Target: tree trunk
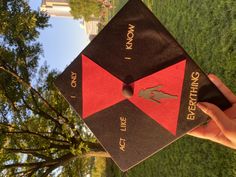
x,y
97,154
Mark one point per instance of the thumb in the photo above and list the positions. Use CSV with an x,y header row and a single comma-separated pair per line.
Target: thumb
x,y
225,124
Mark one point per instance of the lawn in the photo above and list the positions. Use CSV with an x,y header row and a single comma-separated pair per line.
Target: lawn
x,y
207,31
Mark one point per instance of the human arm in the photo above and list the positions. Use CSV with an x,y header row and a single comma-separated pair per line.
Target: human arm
x,y
222,126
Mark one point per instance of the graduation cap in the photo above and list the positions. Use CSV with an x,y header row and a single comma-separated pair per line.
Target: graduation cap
x,y
136,88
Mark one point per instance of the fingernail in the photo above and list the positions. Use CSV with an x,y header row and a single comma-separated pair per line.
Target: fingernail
x,y
202,106
211,77
214,79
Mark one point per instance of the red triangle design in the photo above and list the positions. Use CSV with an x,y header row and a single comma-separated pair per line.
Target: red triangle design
x,y
100,89
165,112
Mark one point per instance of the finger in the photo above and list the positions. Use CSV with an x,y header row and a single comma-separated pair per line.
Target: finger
x,y
221,139
199,133
218,116
211,132
206,131
231,112
223,88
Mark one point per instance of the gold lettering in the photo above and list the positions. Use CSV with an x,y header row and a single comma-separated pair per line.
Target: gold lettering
x,y
193,89
130,37
191,108
123,129
131,27
73,79
192,103
129,46
193,94
195,76
122,144
191,117
128,58
123,124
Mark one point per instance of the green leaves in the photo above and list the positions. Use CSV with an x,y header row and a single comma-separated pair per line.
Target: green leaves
x,y
38,129
25,24
80,149
86,9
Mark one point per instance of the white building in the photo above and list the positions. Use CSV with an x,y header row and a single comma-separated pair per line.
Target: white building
x,y
58,8
91,27
61,8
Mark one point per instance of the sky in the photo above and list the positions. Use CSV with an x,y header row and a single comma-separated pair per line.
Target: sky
x,y
62,42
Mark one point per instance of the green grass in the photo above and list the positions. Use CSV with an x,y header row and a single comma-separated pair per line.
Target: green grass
x,y
99,167
207,31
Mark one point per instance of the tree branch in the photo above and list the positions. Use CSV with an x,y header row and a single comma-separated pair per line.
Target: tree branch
x,y
49,170
20,80
6,125
33,153
16,110
33,165
95,147
3,115
37,134
32,172
28,151
42,113
58,146
52,164
97,154
17,129
20,150
25,172
60,162
59,115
